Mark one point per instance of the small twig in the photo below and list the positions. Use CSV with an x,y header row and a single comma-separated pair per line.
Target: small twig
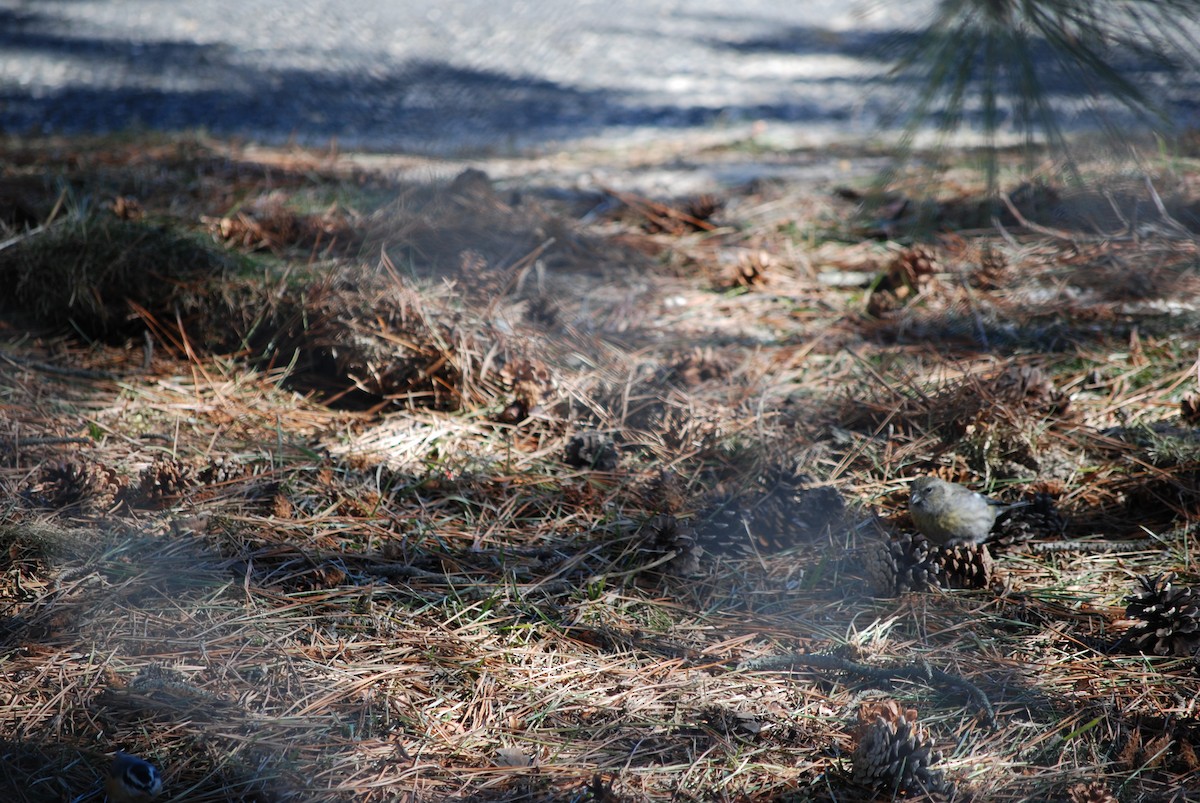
x,y
47,440
1164,214
919,671
1094,547
518,270
1057,234
1155,541
147,350
1130,226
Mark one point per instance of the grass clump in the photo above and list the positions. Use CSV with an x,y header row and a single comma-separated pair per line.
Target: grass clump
x,y
99,274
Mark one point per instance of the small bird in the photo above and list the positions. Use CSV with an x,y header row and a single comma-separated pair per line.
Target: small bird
x,y
951,514
132,780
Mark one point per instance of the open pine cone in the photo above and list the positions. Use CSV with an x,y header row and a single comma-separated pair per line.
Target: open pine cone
x,y
908,562
161,481
782,509
91,487
1170,618
908,274
894,754
1042,519
670,534
593,450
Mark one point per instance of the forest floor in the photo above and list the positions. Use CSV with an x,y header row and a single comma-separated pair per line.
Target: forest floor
x,y
326,481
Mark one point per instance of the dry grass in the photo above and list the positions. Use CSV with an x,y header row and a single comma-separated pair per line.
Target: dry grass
x,y
443,493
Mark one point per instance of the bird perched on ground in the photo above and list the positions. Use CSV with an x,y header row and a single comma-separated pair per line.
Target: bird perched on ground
x,y
132,780
951,514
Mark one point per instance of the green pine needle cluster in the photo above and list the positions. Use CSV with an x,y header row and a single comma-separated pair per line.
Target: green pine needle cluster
x,y
1008,55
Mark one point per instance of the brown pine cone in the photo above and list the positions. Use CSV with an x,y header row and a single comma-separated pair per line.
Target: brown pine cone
x,y
908,562
894,754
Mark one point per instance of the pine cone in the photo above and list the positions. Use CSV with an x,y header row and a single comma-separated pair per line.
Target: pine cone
x,y
472,182
1028,387
166,687
543,311
220,471
752,268
791,513
530,382
909,272
669,534
593,450
163,480
1041,519
915,265
703,207
671,422
90,487
1170,618
894,754
965,566
696,367
664,492
992,267
58,486
1091,793
725,529
156,676
908,562
780,512
901,564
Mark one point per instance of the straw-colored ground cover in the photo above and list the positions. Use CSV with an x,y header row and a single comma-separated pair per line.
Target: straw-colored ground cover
x,y
321,485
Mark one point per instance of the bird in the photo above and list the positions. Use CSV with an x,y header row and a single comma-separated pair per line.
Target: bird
x,y
132,780
951,514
